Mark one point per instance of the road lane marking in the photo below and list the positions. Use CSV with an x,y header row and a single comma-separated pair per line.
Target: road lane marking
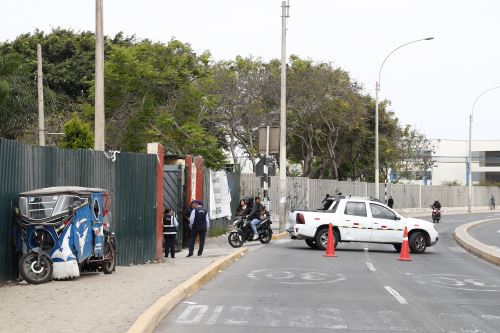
x,y
371,267
215,315
396,295
460,282
184,317
295,276
242,312
498,231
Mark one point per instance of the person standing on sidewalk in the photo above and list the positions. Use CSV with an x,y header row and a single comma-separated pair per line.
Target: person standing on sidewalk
x,y
199,223
492,202
169,232
390,202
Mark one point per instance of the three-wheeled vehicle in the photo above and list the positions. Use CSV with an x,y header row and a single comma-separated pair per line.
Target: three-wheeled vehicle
x,y
62,231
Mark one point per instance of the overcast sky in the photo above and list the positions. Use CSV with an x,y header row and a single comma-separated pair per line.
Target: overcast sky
x,y
431,84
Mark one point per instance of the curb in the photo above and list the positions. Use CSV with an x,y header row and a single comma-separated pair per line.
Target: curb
x,y
149,319
281,235
469,243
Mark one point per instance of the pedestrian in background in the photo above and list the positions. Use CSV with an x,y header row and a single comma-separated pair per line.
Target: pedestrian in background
x,y
390,202
169,232
492,202
199,223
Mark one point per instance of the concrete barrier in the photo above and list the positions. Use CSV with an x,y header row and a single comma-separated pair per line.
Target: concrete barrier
x,y
486,252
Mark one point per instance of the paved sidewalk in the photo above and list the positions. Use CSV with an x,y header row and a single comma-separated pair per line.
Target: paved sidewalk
x,y
98,302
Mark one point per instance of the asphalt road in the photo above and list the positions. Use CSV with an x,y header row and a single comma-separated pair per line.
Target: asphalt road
x,y
487,233
287,287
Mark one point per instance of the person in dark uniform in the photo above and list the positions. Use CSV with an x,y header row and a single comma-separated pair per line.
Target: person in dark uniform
x,y
169,232
390,202
198,223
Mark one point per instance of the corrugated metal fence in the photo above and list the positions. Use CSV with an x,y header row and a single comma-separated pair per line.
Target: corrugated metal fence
x,y
131,178
308,193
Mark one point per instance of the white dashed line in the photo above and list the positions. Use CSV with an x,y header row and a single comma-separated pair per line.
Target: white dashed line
x,y
396,295
371,267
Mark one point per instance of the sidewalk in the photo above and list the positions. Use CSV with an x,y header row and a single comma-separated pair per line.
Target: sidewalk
x,y
98,302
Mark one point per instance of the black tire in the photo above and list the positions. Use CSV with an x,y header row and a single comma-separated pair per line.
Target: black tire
x,y
267,239
311,243
34,272
397,247
322,238
108,267
235,239
417,242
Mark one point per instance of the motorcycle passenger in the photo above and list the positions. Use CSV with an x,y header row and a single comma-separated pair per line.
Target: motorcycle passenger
x,y
242,208
254,216
199,223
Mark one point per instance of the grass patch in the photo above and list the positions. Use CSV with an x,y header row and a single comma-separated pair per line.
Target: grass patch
x,y
216,231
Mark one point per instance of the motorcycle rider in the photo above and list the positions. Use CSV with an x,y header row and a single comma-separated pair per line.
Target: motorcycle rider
x,y
254,216
436,205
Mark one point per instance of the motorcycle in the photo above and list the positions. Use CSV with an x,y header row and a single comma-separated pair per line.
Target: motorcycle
x,y
436,215
243,232
62,232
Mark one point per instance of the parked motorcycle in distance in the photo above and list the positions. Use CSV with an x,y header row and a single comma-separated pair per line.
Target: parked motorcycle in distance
x,y
436,215
243,232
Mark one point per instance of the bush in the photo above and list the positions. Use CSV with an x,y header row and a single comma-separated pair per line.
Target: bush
x,y
77,134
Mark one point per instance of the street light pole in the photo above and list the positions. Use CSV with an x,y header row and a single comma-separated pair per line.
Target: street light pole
x,y
99,78
282,183
377,92
469,158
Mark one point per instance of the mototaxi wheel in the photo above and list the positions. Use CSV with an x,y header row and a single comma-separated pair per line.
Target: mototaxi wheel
x,y
235,239
109,253
267,238
34,271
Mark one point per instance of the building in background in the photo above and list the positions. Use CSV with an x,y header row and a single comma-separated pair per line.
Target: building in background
x,y
450,162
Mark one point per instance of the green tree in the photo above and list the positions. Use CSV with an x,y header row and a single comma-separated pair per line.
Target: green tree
x,y
77,134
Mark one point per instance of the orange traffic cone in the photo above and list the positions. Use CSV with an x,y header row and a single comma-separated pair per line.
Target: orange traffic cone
x,y
405,249
330,249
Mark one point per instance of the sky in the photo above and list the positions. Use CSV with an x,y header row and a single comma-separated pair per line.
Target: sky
x,y
432,85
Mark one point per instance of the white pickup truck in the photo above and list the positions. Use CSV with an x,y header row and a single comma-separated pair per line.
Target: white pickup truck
x,y
357,219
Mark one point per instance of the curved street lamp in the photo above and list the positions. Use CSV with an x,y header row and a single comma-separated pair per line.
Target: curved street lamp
x,y
469,158
377,90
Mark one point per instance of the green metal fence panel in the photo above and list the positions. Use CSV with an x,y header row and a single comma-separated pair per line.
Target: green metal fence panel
x,y
130,177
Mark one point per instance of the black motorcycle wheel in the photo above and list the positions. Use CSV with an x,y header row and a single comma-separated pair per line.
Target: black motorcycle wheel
x,y
235,239
109,253
267,238
34,271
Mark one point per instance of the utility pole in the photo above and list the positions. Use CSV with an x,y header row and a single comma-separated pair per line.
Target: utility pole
x,y
282,185
41,114
99,78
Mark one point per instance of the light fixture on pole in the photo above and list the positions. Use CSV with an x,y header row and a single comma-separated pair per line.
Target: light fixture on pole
x,y
469,157
377,91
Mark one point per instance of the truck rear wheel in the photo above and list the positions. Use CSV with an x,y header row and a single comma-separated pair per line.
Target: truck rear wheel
x,y
322,238
311,243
